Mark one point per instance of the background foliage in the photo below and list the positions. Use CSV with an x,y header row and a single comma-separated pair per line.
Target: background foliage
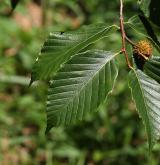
x,y
114,135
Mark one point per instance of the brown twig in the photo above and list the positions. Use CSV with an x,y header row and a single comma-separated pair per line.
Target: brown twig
x,y
131,42
123,34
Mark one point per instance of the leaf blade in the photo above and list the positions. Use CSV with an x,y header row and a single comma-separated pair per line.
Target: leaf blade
x,y
80,86
14,3
60,47
152,68
144,89
140,25
151,10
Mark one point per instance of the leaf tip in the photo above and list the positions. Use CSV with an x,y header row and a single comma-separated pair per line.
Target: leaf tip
x,y
31,82
14,3
48,128
151,145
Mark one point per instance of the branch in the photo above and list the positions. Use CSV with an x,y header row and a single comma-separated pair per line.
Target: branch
x,y
15,80
123,34
129,41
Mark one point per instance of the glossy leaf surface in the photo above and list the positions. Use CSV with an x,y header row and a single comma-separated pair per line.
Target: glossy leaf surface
x,y
60,47
80,87
146,94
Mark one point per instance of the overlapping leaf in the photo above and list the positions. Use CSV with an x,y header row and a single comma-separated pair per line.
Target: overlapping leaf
x,y
60,47
144,6
152,30
14,3
135,23
152,68
146,94
151,10
80,86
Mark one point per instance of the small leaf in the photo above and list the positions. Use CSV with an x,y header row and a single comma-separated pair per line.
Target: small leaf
x,y
152,68
60,47
135,23
151,9
155,12
80,87
14,3
142,27
146,94
151,30
144,6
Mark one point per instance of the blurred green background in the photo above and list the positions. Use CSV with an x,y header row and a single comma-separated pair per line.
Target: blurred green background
x,y
113,136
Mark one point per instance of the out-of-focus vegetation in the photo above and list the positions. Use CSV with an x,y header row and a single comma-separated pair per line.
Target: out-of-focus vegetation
x,y
113,135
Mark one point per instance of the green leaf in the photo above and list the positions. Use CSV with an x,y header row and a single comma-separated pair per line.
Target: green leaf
x,y
135,23
152,68
146,94
142,28
80,87
14,3
151,9
151,31
60,47
144,5
155,12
